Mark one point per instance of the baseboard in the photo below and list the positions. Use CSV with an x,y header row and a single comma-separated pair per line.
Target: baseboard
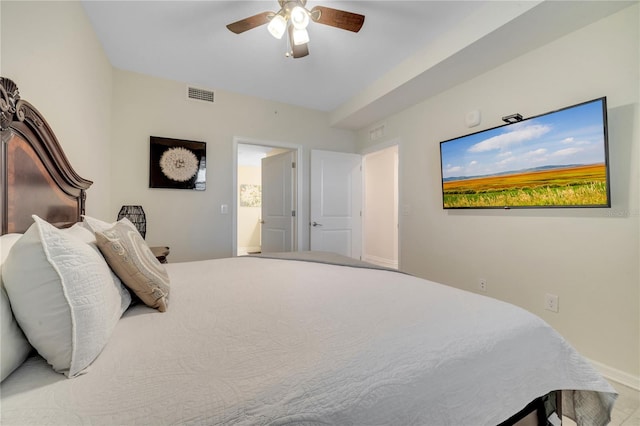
x,y
617,375
387,263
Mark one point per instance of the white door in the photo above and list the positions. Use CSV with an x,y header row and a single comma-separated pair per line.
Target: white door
x,y
336,203
278,216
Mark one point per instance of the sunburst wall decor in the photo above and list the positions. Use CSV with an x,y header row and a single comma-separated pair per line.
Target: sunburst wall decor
x,y
176,163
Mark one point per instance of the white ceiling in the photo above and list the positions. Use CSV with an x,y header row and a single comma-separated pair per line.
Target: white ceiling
x,y
406,50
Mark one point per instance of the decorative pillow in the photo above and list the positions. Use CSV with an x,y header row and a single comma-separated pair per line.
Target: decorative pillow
x,y
95,225
15,347
63,296
132,260
82,233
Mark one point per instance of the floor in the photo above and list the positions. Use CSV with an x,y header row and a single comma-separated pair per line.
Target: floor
x,y
626,411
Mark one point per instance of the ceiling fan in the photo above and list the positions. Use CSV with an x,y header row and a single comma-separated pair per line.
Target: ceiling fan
x,y
293,18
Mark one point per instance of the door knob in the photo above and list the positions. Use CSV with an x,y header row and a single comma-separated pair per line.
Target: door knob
x,y
316,224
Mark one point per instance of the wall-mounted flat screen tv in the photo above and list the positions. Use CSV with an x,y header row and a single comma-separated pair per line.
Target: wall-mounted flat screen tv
x,y
557,159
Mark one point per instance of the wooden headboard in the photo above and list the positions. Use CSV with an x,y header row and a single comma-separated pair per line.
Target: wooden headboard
x,y
36,177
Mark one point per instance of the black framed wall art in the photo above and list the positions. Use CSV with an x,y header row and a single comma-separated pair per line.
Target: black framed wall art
x,y
177,163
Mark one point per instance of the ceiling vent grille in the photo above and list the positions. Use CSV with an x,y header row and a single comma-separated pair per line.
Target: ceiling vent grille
x,y
200,94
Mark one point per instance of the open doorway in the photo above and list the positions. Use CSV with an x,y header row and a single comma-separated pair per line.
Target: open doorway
x,y
265,197
380,221
249,203
354,204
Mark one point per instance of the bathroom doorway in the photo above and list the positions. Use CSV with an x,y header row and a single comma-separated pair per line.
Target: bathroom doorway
x,y
266,197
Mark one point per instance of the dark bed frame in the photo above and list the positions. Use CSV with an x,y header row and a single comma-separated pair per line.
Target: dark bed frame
x,y
37,178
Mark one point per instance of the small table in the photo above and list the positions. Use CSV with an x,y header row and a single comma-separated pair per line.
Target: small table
x,y
160,253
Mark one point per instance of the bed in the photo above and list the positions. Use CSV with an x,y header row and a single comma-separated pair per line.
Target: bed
x,y
304,338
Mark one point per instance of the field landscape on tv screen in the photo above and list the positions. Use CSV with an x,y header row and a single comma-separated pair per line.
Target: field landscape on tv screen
x,y
557,159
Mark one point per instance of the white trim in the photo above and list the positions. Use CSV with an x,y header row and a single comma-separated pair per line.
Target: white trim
x,y
239,140
617,375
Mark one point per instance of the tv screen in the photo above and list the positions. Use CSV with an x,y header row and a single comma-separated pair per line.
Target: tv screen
x,y
557,159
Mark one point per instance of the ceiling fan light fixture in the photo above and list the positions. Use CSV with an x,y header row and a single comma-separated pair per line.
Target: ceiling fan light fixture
x,y
299,17
277,26
300,36
293,18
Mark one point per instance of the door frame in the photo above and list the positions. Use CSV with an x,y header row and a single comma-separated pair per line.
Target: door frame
x,y
239,140
401,211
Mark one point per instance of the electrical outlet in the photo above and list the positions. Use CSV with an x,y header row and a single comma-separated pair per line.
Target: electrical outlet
x,y
482,284
551,302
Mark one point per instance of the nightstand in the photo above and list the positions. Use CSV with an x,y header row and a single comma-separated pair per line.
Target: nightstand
x,y
160,253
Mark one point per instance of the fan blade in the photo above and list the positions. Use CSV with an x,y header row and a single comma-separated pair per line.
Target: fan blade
x,y
300,50
337,18
251,22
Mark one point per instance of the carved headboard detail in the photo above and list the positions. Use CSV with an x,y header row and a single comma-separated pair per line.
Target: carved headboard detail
x,y
35,175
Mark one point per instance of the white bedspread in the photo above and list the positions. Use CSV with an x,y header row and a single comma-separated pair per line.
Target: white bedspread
x,y
250,341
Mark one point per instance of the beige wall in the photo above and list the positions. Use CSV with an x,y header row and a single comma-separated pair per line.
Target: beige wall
x,y
50,50
190,222
588,257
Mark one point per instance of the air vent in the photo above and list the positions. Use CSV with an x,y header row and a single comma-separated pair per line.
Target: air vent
x,y
200,94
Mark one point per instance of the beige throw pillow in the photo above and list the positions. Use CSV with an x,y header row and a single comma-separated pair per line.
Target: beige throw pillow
x,y
132,260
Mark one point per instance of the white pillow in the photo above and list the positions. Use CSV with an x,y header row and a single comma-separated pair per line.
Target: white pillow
x,y
96,225
15,347
81,232
63,296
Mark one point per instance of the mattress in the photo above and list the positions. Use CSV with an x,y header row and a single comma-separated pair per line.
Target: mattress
x,y
258,341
